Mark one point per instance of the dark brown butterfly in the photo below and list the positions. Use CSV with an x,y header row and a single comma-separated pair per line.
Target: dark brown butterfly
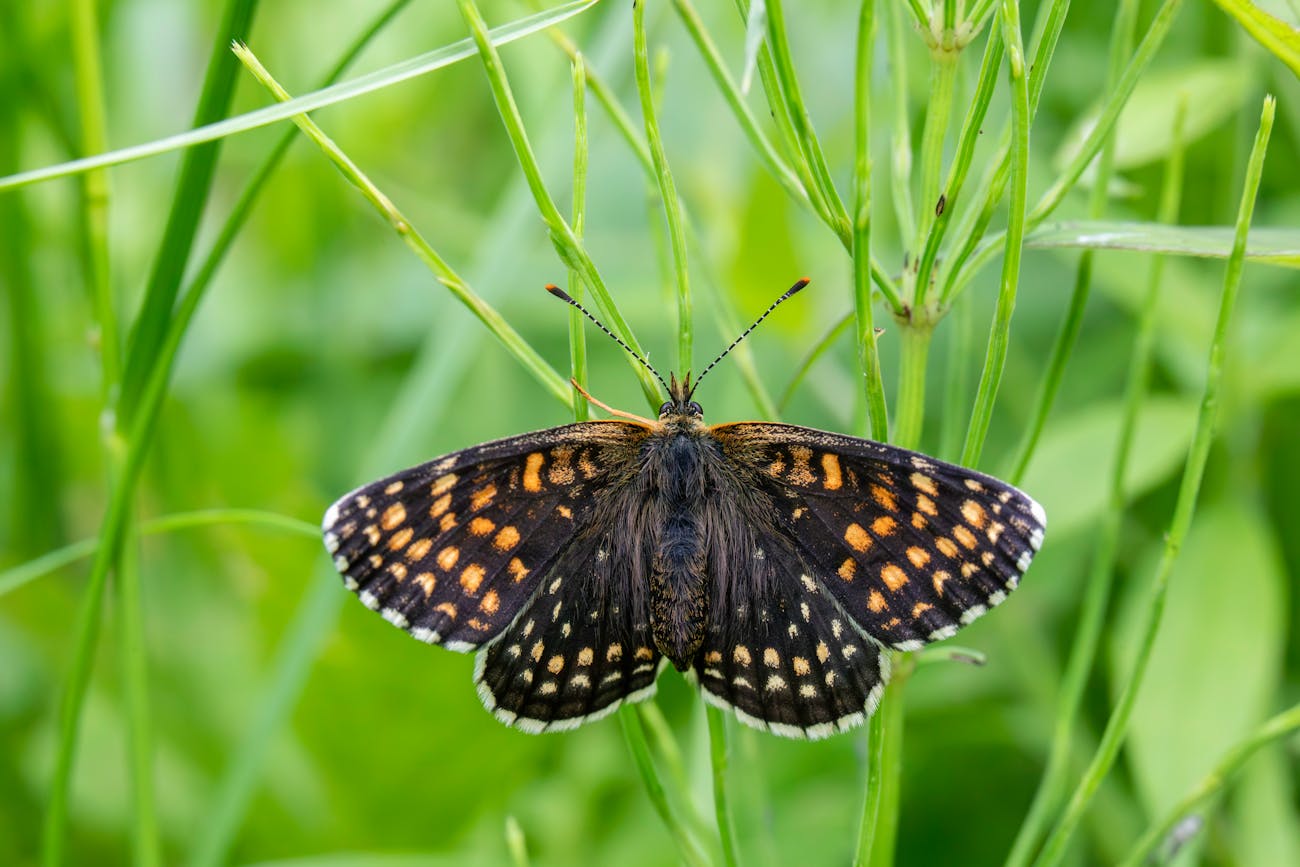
x,y
775,564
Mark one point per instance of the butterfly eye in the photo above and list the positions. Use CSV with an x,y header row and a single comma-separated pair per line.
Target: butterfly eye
x,y
665,407
694,408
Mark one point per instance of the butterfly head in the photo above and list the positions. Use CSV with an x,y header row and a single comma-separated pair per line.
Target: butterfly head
x,y
680,406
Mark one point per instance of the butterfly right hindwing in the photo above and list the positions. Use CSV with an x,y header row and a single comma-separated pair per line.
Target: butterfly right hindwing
x,y
911,547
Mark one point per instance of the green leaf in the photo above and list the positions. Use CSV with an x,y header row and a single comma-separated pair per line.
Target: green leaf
x,y
1272,246
1281,39
1213,90
1069,474
381,78
1216,663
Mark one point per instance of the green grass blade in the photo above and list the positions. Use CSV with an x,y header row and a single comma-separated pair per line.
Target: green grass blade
x,y
1268,246
1051,787
667,190
717,722
188,202
1281,39
577,323
378,80
515,344
1280,726
687,848
566,245
1117,725
1122,36
864,314
996,355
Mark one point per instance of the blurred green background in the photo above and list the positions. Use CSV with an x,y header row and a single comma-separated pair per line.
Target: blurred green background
x,y
326,355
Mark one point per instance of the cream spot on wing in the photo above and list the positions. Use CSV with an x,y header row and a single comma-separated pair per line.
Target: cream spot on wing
x,y
400,539
447,557
938,578
924,483
393,488
472,577
741,655
966,537
918,556
974,514
443,485
771,658
418,549
491,602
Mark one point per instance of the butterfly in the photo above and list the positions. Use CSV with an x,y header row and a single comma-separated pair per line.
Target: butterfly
x,y
775,565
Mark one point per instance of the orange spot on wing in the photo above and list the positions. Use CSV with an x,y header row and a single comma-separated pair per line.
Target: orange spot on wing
x,y
893,576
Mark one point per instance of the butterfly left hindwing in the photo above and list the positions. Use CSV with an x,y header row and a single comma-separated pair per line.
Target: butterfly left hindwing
x,y
454,549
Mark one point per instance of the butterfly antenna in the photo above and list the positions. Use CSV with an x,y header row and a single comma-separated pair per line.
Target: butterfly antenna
x,y
568,299
789,292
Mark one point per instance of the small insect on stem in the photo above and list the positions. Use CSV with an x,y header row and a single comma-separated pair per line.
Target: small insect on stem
x,y
941,204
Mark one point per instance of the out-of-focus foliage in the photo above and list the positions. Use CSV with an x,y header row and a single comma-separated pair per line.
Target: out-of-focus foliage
x,y
322,336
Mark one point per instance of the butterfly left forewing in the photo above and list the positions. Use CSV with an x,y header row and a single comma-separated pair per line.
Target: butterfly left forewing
x,y
453,549
912,547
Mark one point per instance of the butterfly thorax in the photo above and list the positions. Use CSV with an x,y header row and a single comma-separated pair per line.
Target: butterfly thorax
x,y
678,474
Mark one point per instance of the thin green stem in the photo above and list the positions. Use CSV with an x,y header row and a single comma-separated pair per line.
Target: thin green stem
x,y
488,315
900,162
817,351
146,845
1121,45
779,109
1184,508
956,380
89,77
868,351
1051,787
884,837
566,245
717,722
995,358
805,135
915,354
920,13
767,153
198,165
191,192
516,843
874,790
969,137
18,576
938,112
577,331
1280,726
667,189
1091,145
687,848
1047,32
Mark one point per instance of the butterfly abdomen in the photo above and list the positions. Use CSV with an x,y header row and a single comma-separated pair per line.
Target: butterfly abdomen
x,y
679,603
